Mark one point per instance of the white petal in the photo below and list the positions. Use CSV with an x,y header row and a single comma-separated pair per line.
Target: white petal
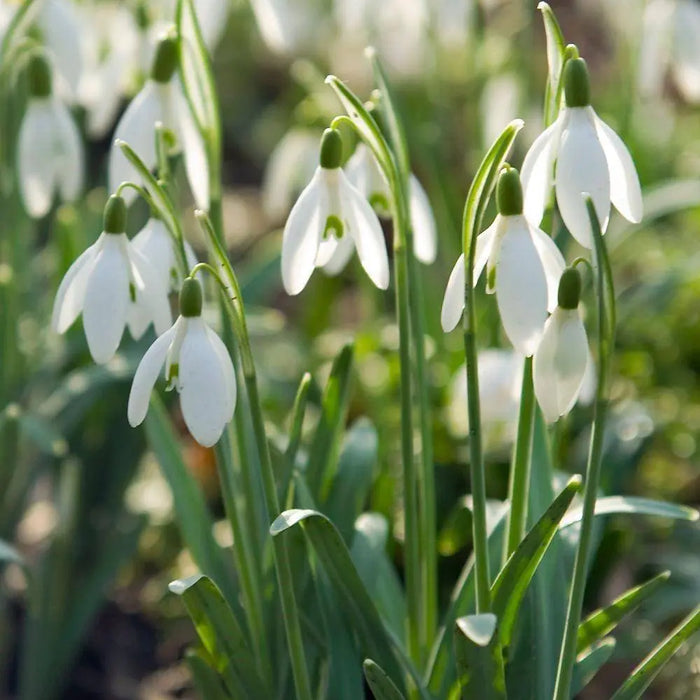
x,y
106,299
423,222
155,244
560,363
582,167
301,237
68,152
195,154
212,16
35,170
71,291
145,378
151,293
62,30
207,405
655,46
521,287
340,256
366,232
538,171
552,261
625,191
686,52
484,247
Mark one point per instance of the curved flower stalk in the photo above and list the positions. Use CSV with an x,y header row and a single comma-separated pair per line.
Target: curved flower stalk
x,y
161,100
50,150
561,360
329,220
112,285
523,269
590,157
363,171
197,364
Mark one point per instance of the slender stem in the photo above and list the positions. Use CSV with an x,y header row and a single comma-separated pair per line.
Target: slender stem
x,y
519,485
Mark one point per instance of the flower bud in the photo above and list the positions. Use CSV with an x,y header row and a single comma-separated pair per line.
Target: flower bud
x,y
569,289
191,298
39,76
165,61
115,215
509,192
331,149
577,86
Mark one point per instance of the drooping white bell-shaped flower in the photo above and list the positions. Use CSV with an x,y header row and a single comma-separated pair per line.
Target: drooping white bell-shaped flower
x,y
524,266
330,219
559,365
161,100
50,150
112,285
364,172
197,364
586,156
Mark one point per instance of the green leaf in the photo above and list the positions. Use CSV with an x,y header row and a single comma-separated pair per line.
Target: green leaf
x,y
603,621
479,657
642,676
20,22
206,679
509,587
555,60
382,687
590,662
619,505
220,634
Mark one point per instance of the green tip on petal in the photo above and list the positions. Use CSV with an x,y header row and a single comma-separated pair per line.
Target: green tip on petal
x,y
115,215
331,149
165,61
509,192
39,76
569,289
577,85
191,298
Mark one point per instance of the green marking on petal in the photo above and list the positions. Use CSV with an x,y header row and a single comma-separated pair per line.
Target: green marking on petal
x,y
173,374
491,280
379,202
333,223
132,292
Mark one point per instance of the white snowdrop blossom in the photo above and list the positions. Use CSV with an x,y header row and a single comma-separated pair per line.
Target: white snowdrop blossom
x,y
197,364
330,219
50,150
364,172
161,100
523,269
112,285
586,156
561,360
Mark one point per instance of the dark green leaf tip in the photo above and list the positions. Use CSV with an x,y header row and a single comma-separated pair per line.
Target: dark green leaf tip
x,y
191,298
577,85
39,76
115,215
569,289
165,61
509,192
331,149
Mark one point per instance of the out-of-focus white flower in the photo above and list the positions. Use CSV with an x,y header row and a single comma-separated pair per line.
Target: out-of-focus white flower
x,y
524,266
559,365
590,158
500,100
112,285
212,16
50,150
161,100
288,26
329,220
197,364
363,171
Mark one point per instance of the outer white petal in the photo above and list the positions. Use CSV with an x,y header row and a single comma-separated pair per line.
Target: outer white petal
x,y
229,374
68,153
625,191
151,293
686,51
560,363
212,16
340,256
107,299
552,261
538,170
145,378
655,46
196,163
366,232
62,29
155,244
302,236
521,287
582,167
205,385
71,291
423,222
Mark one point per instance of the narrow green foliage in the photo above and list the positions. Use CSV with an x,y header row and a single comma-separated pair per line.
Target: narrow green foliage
x,y
588,663
479,657
206,679
382,687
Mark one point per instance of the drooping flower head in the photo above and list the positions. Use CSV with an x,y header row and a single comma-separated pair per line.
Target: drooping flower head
x,y
197,364
523,269
330,219
50,150
559,365
112,285
586,156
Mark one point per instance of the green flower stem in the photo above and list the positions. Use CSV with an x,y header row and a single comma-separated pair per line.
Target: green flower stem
x,y
519,485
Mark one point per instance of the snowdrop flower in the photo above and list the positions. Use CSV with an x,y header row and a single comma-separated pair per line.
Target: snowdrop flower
x,y
524,266
329,220
197,364
112,285
161,100
364,172
50,150
288,26
590,157
559,365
